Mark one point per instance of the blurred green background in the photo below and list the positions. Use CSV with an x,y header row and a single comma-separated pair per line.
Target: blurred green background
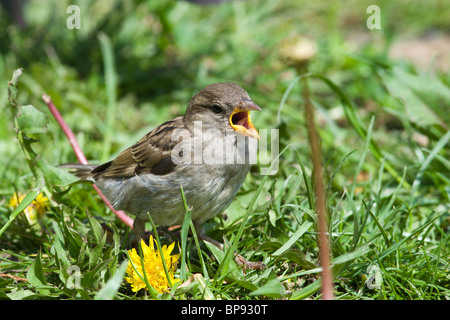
x,y
164,51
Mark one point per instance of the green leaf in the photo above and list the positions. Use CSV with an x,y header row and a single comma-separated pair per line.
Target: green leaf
x,y
35,274
72,240
272,217
89,278
57,177
96,227
109,290
231,271
58,248
12,89
207,293
97,252
22,205
307,291
30,120
20,294
272,289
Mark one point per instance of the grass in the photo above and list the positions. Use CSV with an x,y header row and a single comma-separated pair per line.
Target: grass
x,y
383,125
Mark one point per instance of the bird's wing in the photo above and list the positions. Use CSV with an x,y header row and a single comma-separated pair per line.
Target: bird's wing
x,y
152,154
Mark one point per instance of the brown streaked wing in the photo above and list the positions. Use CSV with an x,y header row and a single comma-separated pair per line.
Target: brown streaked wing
x,y
152,151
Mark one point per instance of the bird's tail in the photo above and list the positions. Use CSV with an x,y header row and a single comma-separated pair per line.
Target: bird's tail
x,y
82,171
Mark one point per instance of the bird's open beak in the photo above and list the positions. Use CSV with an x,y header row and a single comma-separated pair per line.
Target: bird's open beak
x,y
240,118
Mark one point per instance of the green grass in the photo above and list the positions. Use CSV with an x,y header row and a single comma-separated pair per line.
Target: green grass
x,y
132,66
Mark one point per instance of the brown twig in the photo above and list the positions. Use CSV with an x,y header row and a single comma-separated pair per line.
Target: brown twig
x,y
299,51
327,277
81,157
6,275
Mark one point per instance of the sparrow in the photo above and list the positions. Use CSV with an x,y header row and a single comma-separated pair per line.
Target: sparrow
x,y
206,152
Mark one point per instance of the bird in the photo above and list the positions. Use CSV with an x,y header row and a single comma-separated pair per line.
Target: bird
x,y
205,152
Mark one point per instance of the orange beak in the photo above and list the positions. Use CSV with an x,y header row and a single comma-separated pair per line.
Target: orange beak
x,y
240,119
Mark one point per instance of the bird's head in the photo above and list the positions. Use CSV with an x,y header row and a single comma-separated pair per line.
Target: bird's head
x,y
223,106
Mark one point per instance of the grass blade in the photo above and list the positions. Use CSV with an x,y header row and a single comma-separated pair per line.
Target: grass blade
x,y
357,125
111,92
109,290
161,253
307,291
297,234
437,148
184,235
29,198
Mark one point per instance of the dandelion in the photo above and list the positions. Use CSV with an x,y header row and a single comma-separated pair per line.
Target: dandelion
x,y
35,210
298,51
153,266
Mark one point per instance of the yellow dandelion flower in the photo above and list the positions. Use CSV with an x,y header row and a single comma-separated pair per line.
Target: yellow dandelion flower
x,y
153,266
35,210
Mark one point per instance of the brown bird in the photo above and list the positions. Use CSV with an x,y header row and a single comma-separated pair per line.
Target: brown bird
x,y
206,152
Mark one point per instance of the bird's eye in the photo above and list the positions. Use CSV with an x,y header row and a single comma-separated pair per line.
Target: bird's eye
x,y
216,108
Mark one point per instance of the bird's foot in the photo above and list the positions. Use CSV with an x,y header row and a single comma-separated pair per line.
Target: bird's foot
x,y
240,260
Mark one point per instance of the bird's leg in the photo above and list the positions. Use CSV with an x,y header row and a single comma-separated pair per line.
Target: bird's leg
x,y
139,229
202,236
141,233
240,260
